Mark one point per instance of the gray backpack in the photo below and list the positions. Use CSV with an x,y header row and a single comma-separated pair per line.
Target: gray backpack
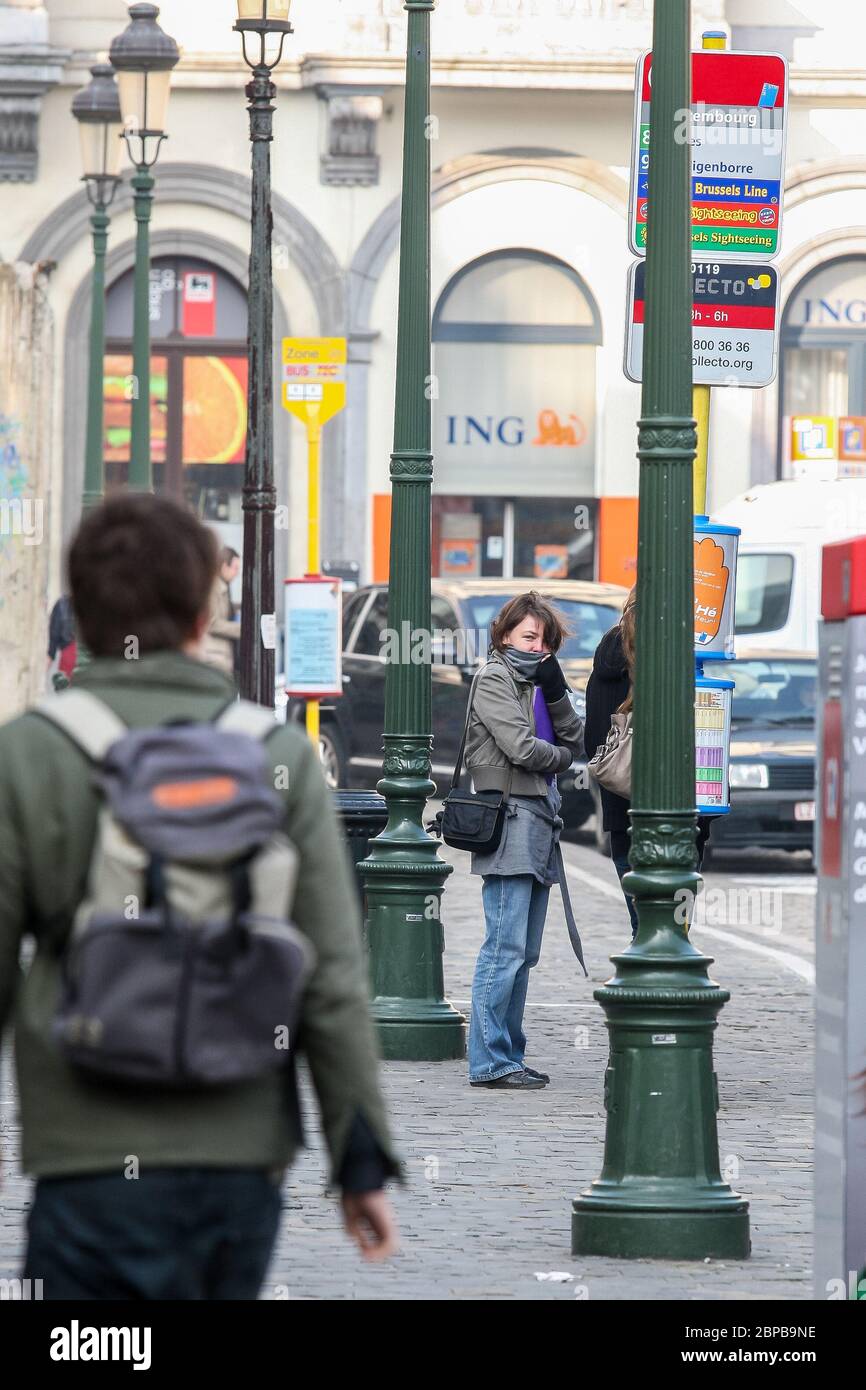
x,y
182,968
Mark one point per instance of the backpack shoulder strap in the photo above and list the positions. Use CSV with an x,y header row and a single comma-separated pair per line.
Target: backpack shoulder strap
x,y
243,717
85,719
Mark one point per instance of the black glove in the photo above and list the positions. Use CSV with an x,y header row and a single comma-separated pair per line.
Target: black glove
x,y
550,678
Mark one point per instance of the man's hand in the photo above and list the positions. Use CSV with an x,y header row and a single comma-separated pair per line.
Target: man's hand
x,y
369,1220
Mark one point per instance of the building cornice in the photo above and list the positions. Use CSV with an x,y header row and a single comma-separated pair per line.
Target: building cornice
x,y
591,73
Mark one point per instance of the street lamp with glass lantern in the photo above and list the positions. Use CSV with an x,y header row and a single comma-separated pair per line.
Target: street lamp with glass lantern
x,y
143,56
97,110
262,19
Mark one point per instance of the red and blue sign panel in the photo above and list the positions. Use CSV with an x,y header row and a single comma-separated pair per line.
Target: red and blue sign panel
x,y
736,129
735,307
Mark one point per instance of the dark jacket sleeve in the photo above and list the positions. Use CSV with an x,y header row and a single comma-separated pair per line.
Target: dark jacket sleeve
x,y
606,689
597,718
13,903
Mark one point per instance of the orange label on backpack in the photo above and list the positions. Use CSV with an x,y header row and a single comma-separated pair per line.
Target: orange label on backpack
x,y
209,791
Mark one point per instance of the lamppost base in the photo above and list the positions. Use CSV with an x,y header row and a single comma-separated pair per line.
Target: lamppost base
x,y
718,1229
403,931
422,1032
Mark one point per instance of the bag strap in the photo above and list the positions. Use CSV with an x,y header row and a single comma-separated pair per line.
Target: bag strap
x,y
244,717
458,766
88,721
573,933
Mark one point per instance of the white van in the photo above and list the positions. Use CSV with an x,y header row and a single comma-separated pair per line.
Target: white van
x,y
784,527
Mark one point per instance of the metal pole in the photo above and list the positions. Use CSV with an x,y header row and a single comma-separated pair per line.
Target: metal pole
x,y
140,469
403,873
94,455
259,494
711,39
660,1193
314,546
94,458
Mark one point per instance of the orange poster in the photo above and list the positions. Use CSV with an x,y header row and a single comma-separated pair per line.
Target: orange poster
x,y
551,562
711,586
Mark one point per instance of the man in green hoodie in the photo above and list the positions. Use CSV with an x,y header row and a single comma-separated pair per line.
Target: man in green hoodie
x,y
160,1194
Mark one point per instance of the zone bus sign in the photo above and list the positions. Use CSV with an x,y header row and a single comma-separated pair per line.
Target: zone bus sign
x,y
736,129
735,310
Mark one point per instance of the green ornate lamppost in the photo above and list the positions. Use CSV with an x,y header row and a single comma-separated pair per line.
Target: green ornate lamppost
x,y
404,874
261,21
660,1193
143,57
97,110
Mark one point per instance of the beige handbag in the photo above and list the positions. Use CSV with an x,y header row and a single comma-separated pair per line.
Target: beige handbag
x,y
610,765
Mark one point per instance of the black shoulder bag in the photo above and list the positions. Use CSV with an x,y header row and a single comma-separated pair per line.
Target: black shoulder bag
x,y
472,820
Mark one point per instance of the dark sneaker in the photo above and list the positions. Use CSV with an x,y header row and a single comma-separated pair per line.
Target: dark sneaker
x,y
542,1075
513,1081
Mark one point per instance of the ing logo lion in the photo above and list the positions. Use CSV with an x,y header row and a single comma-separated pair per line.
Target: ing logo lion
x,y
556,435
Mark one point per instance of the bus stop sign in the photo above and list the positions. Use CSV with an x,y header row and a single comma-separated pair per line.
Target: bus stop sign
x,y
736,129
734,323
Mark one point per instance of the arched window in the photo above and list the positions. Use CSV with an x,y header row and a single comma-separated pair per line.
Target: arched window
x,y
515,336
823,396
198,384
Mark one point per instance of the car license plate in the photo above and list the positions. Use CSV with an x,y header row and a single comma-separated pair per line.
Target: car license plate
x,y
804,810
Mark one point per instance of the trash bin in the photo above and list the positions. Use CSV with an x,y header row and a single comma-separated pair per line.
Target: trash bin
x,y
363,815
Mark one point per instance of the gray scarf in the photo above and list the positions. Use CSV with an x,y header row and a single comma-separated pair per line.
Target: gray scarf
x,y
524,663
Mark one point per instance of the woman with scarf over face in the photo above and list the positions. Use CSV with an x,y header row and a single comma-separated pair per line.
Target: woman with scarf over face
x,y
522,731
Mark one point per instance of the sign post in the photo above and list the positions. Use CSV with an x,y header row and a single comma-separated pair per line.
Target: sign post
x,y
737,134
735,127
314,391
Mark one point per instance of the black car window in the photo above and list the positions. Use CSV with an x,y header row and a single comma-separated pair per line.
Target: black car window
x,y
369,641
449,638
352,606
776,690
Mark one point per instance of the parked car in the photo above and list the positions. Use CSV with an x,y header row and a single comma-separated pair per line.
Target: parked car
x,y
462,610
772,767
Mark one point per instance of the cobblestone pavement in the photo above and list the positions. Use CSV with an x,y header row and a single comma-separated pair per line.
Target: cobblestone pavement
x,y
486,1209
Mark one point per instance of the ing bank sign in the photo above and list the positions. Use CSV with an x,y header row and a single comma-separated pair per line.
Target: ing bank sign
x,y
515,419
550,431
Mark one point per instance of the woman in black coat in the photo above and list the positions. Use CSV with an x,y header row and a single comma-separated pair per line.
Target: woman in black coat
x,y
607,691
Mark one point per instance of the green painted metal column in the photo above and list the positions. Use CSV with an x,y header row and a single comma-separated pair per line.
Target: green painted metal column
x,y
404,874
94,461
257,662
661,1193
140,469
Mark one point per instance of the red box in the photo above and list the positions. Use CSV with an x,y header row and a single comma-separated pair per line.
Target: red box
x,y
843,578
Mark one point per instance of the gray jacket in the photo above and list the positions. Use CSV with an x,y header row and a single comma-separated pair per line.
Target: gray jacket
x,y
501,733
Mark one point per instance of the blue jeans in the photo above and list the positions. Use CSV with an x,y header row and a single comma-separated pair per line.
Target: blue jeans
x,y
622,867
171,1233
514,910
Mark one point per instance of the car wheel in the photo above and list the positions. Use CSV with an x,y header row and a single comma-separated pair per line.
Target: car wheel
x,y
332,757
